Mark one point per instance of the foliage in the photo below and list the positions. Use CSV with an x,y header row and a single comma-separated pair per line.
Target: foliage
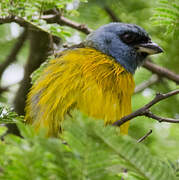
x,y
32,10
7,115
36,74
167,14
87,150
95,152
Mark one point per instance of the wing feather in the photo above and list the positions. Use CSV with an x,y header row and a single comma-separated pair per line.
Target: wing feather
x,y
82,78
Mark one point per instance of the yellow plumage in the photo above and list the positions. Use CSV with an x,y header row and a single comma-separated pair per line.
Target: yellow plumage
x,y
85,79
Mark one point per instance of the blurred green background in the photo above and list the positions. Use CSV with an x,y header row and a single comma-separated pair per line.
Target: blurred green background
x,y
153,17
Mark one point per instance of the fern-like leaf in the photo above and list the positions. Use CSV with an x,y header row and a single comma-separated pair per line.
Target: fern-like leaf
x,y
167,14
95,142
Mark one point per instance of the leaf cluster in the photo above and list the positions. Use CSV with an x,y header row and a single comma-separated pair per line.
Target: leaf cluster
x,y
167,14
31,11
7,115
86,150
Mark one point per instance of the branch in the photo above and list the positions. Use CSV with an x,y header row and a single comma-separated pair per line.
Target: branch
x,y
153,79
147,113
22,22
10,19
7,19
3,89
144,111
145,136
14,52
161,71
111,14
57,18
39,50
81,27
6,88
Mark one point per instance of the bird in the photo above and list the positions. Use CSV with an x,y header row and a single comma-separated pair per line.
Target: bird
x,y
94,77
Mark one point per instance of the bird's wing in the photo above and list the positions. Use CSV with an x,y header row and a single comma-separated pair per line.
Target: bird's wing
x,y
83,78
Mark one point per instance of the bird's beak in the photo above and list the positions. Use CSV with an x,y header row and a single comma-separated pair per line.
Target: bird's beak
x,y
149,48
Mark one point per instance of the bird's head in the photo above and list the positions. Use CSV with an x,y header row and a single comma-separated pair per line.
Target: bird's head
x,y
129,44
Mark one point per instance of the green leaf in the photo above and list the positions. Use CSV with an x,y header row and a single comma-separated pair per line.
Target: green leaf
x,y
90,151
104,140
166,14
7,115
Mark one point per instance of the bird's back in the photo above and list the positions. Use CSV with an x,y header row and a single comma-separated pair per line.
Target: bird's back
x,y
81,78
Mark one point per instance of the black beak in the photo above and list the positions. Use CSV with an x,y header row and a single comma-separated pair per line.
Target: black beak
x,y
149,48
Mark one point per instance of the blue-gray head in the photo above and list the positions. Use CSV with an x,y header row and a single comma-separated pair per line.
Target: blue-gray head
x,y
129,44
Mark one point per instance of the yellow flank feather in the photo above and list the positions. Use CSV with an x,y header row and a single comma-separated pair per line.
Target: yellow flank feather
x,y
85,79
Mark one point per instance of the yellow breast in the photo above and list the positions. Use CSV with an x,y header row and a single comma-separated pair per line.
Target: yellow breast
x,y
81,78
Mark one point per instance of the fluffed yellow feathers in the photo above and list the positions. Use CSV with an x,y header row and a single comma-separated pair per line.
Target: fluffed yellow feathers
x,y
85,79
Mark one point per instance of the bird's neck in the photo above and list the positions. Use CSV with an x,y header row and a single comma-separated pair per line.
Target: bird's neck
x,y
126,63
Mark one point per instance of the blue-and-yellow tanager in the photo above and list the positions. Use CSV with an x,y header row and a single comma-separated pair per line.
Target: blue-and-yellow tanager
x,y
95,77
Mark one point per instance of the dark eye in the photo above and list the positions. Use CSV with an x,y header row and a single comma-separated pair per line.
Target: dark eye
x,y
128,38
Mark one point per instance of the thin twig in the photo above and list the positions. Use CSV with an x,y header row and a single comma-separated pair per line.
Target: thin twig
x,y
18,20
111,14
3,89
22,22
144,111
14,52
81,27
145,136
160,119
152,80
6,88
52,18
57,18
160,97
161,71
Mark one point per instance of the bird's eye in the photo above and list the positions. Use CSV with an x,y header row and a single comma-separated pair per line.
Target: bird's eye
x,y
128,38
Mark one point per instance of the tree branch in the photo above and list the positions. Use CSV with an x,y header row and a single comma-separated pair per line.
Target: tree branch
x,y
153,79
111,14
81,27
3,89
161,71
144,137
6,88
22,22
57,18
148,113
52,18
16,19
144,111
14,52
40,49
